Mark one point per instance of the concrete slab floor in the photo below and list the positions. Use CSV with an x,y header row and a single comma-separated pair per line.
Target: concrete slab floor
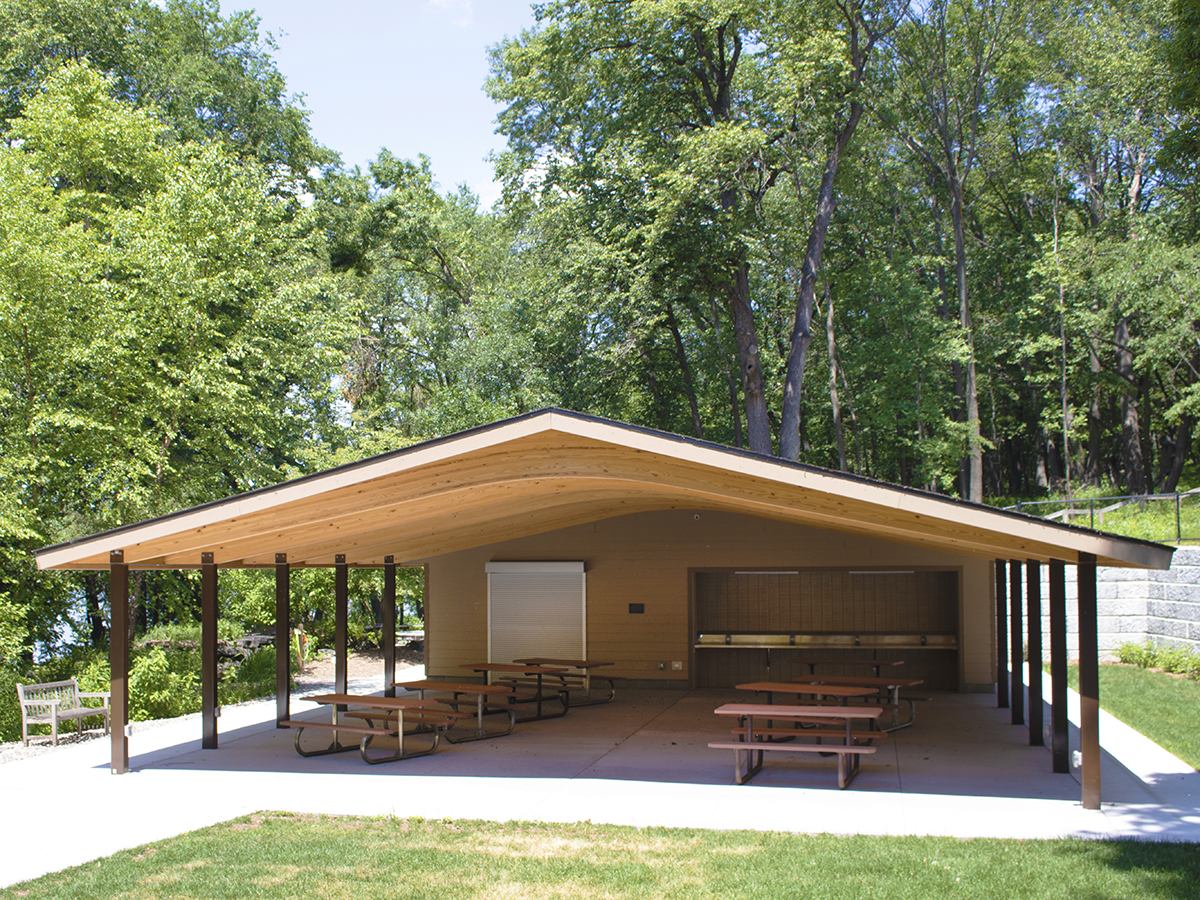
x,y
961,770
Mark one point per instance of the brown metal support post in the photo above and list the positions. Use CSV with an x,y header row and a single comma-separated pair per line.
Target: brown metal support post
x,y
1059,735
1033,614
1089,681
209,709
1001,634
283,639
388,638
341,601
1016,676
118,661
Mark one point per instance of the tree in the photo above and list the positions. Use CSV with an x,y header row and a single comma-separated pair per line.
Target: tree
x,y
207,77
164,337
949,58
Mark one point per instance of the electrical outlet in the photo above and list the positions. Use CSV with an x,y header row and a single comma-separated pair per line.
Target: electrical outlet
x,y
676,666
661,666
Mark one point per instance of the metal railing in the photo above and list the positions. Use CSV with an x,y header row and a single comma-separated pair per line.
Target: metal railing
x,y
1183,507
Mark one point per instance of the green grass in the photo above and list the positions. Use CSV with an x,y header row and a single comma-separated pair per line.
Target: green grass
x,y
285,856
1165,708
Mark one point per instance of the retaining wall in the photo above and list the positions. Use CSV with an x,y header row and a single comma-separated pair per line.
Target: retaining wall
x,y
1135,605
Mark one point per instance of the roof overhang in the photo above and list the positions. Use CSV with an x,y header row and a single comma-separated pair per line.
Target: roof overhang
x,y
553,469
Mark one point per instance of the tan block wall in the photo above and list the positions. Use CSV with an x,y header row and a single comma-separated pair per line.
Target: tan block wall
x,y
645,558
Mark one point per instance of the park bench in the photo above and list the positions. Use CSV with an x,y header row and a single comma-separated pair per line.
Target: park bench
x,y
58,701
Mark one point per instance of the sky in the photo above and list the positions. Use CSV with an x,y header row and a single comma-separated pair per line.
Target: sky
x,y
407,75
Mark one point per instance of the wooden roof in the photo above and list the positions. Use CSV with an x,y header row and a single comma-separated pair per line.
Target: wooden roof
x,y
552,469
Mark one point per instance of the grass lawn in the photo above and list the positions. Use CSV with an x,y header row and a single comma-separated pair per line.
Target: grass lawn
x,y
1165,708
285,855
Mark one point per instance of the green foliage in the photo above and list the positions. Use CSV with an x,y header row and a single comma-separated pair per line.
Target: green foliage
x,y
163,685
1177,660
253,677
249,596
211,78
179,633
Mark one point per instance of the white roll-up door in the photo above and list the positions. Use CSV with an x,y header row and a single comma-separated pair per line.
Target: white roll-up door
x,y
536,609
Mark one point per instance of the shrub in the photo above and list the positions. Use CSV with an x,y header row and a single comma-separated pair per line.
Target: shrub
x,y
1137,654
162,686
1179,660
189,633
10,708
255,677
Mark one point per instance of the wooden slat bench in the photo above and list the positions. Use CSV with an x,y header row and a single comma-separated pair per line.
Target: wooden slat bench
x,y
848,753
58,701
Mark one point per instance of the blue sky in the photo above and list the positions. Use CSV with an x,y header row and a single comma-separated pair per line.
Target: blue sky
x,y
406,75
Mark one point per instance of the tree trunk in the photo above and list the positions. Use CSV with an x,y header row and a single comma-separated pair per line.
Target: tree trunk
x,y
1131,434
974,458
745,332
685,367
1179,452
834,402
91,593
789,429
734,405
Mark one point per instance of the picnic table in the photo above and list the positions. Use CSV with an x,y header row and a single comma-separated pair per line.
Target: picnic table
x,y
583,679
751,741
538,673
886,683
481,692
843,693
876,664
426,716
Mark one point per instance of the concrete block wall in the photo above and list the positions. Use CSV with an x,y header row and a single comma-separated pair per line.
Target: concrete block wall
x,y
1135,605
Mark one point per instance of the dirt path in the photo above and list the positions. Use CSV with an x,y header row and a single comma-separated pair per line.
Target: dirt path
x,y
361,664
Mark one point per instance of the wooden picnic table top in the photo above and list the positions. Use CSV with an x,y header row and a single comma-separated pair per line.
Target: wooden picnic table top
x,y
826,690
771,710
573,663
455,687
513,667
883,681
386,703
864,663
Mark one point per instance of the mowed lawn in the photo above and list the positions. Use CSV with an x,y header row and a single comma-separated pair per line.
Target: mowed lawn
x,y
288,856
1163,707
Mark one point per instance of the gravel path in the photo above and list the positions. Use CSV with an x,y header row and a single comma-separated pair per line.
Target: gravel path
x,y
317,678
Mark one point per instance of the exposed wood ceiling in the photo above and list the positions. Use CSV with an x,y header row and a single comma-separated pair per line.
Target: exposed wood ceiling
x,y
554,469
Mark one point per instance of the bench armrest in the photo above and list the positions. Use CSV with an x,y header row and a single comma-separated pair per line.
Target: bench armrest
x,y
103,695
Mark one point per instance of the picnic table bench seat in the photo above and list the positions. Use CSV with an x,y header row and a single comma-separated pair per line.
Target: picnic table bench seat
x,y
812,732
848,753
59,701
385,719
465,708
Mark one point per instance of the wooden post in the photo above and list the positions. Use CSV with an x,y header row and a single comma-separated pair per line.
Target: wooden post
x,y
209,708
1001,634
283,639
1059,736
1033,617
118,661
341,600
388,638
1089,681
1017,681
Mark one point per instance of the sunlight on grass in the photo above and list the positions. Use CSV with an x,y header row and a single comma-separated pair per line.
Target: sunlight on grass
x,y
284,855
1165,708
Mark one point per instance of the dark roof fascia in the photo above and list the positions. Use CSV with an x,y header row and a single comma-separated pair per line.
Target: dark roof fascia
x,y
640,429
